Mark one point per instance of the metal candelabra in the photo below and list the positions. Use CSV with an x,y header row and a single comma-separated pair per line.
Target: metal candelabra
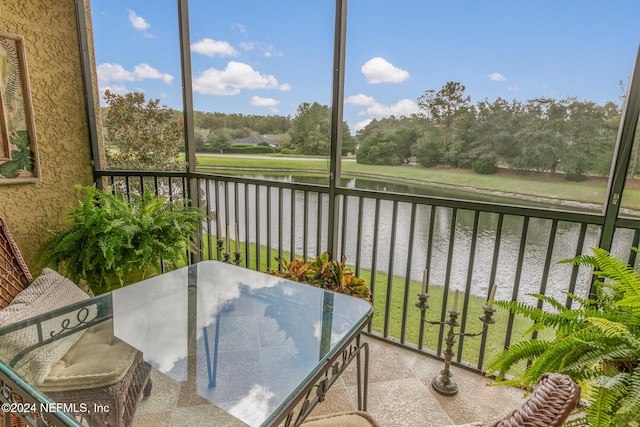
x,y
444,383
225,255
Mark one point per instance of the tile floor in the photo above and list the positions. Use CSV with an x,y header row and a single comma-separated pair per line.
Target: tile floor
x,y
400,395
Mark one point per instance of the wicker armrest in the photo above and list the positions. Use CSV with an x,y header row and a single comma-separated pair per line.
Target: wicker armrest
x,y
550,404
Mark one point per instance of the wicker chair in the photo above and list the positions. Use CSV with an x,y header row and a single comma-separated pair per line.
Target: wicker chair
x,y
552,401
121,397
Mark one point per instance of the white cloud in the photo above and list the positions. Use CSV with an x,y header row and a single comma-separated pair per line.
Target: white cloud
x,y
513,88
269,51
117,89
235,77
240,28
360,99
361,125
108,73
497,77
138,22
145,71
404,107
379,70
211,48
258,101
247,46
270,103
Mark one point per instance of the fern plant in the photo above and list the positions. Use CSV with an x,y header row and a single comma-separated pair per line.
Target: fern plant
x,y
111,238
597,345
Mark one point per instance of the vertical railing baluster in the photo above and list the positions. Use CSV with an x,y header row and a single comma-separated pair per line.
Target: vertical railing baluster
x,y
216,186
427,261
374,255
128,188
247,239
407,275
170,188
305,221
392,247
292,230
227,216
547,266
269,217
236,206
319,226
207,198
492,279
636,243
447,279
467,289
280,222
344,225
359,235
258,217
518,275
574,271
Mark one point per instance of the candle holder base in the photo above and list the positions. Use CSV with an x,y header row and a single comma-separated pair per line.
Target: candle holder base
x,y
444,385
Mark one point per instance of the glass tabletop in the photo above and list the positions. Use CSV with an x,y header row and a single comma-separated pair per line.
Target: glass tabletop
x,y
239,340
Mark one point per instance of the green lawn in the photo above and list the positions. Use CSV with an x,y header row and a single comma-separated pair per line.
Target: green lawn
x,y
585,192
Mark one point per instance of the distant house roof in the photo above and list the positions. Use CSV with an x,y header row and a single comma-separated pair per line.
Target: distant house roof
x,y
256,139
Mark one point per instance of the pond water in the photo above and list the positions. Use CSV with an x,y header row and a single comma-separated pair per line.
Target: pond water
x,y
380,249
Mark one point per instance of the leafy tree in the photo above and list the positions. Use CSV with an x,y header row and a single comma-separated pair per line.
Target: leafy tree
x,y
427,151
541,135
588,139
444,106
219,140
148,136
493,131
383,148
378,149
348,141
310,131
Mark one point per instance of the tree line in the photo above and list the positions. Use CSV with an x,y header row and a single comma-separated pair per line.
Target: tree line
x,y
543,134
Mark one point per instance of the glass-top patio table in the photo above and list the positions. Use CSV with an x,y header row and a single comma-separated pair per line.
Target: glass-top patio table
x,y
244,347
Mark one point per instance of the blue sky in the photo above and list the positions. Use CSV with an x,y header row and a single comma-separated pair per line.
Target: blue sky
x,y
267,57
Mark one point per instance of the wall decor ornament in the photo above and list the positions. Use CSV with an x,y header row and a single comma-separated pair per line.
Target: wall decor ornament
x,y
18,149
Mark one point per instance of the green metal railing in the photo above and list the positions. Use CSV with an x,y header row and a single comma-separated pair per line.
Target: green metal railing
x,y
390,239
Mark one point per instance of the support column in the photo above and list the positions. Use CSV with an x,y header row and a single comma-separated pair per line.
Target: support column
x,y
187,113
621,157
337,105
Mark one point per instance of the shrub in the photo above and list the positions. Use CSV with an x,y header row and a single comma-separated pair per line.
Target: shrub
x,y
484,166
324,273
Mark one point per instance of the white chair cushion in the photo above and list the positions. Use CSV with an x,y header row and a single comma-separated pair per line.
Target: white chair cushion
x,y
96,360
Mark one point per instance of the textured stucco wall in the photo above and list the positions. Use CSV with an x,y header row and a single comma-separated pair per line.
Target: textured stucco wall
x,y
53,59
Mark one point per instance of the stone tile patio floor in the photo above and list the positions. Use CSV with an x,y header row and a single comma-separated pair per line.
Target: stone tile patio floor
x,y
400,395
400,392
